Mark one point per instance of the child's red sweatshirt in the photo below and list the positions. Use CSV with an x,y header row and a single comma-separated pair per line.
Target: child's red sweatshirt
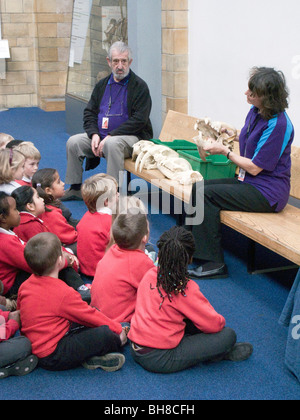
x,y
56,223
116,281
12,258
159,323
93,237
48,308
30,226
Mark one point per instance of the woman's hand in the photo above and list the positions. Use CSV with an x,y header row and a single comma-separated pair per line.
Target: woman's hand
x,y
216,148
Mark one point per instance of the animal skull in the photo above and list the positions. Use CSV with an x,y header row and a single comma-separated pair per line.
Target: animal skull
x,y
211,131
169,167
148,155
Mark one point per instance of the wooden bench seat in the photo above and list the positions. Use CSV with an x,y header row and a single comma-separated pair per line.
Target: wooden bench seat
x,y
279,232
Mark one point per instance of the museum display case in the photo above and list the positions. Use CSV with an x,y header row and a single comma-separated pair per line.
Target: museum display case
x,y
96,25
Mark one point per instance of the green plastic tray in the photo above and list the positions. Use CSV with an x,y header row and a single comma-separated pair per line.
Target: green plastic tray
x,y
176,144
215,167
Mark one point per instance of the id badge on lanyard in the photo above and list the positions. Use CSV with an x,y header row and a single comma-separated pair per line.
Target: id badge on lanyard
x,y
242,175
105,122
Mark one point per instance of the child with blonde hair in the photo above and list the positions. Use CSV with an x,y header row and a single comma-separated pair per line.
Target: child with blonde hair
x,y
100,194
32,160
11,168
5,139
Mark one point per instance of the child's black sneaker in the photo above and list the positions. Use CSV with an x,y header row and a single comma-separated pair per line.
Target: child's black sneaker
x,y
20,368
240,352
110,362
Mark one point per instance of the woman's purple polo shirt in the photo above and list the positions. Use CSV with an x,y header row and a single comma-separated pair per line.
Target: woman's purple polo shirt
x,y
268,144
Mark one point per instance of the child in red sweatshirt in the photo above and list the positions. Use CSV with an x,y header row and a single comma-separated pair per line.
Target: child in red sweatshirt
x,y
49,309
174,326
121,270
15,352
31,206
100,194
50,187
13,267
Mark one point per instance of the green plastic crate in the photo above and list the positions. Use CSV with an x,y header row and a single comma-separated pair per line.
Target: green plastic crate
x,y
176,144
215,167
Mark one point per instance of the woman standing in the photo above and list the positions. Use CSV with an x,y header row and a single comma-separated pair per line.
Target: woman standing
x,y
263,184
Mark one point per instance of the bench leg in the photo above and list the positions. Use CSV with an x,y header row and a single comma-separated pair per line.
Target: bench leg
x,y
251,262
251,256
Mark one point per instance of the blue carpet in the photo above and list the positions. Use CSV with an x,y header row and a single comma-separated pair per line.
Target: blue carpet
x,y
251,305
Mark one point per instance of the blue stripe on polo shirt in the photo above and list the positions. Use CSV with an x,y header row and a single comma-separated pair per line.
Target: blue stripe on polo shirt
x,y
288,133
265,137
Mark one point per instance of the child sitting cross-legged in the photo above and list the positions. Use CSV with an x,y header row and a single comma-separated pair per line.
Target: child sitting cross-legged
x,y
64,331
174,327
15,352
121,270
100,194
31,206
50,187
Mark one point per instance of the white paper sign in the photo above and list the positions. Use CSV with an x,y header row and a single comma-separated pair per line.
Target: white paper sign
x,y
4,49
80,24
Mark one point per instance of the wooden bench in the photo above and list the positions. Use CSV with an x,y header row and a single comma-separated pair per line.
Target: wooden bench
x,y
278,232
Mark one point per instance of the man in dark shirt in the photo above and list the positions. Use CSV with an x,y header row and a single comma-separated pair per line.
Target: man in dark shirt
x,y
116,117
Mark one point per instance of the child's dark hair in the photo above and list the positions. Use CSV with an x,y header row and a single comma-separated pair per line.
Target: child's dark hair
x,y
44,178
129,229
41,252
14,143
4,204
176,249
23,196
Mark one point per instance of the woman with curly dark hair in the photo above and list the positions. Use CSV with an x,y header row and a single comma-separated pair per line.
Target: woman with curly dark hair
x,y
263,184
174,326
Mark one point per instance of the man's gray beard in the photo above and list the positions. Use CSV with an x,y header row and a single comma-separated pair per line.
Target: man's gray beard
x,y
120,77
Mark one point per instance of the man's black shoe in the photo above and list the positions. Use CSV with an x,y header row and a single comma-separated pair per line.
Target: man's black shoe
x,y
72,195
209,270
